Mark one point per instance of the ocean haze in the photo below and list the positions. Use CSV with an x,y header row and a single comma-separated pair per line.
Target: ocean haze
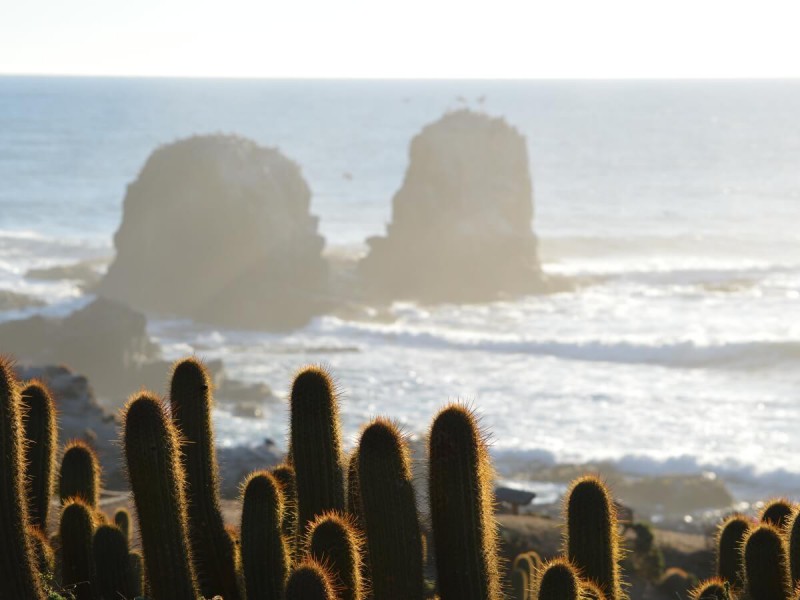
x,y
675,203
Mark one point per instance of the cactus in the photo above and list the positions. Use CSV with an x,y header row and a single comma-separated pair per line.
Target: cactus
x,y
390,512
41,435
592,536
559,581
113,577
136,570
17,562
590,591
710,589
464,530
793,542
75,531
334,542
529,562
310,581
42,552
122,519
213,551
284,475
156,479
79,476
730,562
777,512
354,506
765,564
265,558
519,584
315,447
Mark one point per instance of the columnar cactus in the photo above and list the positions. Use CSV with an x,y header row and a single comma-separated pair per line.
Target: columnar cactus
x,y
79,476
390,512
464,530
75,532
354,506
17,563
530,562
156,478
793,535
113,576
136,569
519,584
213,551
559,581
265,556
42,551
766,568
122,519
592,536
41,439
710,589
777,512
310,581
334,542
730,561
284,475
316,446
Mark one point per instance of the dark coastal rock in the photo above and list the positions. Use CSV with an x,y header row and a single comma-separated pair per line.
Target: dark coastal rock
x,y
106,340
218,229
14,301
461,222
81,417
86,273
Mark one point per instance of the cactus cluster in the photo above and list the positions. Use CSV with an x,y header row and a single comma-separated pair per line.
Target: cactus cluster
x,y
318,526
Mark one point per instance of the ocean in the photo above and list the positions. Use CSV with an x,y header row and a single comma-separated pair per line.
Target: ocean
x,y
677,201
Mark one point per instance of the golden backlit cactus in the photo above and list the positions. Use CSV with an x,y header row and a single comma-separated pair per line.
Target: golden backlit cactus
x,y
462,511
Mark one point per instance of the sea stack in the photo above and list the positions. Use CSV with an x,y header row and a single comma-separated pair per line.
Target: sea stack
x,y
218,229
461,228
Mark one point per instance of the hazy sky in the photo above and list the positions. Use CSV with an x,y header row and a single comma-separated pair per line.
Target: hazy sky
x,y
402,38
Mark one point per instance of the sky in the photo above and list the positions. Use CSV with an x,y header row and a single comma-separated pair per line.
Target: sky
x,y
402,38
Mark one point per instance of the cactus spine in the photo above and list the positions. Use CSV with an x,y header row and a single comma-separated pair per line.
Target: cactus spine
x,y
17,563
75,531
334,542
265,558
730,561
41,435
113,575
766,568
390,512
464,530
559,581
213,550
156,478
136,570
310,581
315,446
592,537
79,476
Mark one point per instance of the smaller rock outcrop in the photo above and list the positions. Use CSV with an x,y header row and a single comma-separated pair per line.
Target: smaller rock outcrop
x,y
106,340
218,229
461,222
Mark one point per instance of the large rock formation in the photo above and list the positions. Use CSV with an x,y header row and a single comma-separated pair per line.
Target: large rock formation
x,y
218,229
461,223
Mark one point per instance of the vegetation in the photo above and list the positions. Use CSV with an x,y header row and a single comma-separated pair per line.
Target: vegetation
x,y
303,534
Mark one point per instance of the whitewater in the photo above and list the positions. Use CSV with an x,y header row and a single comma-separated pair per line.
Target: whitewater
x,y
673,206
